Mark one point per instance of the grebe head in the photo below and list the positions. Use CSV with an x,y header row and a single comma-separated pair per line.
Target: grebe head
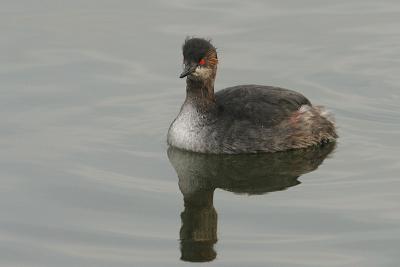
x,y
199,59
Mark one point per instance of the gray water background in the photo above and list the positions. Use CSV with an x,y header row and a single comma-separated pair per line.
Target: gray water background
x,y
89,88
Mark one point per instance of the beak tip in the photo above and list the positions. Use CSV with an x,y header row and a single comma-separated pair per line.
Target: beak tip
x,y
189,69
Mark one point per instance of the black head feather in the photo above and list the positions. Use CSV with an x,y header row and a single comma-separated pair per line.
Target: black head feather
x,y
195,49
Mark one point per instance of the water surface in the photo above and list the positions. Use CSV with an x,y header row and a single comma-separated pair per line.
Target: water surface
x,y
89,88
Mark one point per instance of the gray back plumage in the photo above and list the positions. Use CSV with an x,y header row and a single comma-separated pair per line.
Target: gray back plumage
x,y
264,106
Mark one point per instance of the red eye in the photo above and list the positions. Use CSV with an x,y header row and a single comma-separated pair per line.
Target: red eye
x,y
202,61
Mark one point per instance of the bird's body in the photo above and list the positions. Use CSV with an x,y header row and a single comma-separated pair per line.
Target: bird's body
x,y
246,118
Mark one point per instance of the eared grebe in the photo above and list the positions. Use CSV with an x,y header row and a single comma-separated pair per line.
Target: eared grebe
x,y
244,118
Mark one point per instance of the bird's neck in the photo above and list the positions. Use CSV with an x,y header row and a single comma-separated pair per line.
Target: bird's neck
x,y
200,91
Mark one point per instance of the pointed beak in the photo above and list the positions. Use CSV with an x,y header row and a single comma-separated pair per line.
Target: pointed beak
x,y
188,69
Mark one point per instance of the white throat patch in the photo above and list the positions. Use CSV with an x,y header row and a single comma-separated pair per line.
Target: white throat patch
x,y
202,72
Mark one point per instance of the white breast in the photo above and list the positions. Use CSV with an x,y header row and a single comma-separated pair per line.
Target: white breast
x,y
187,131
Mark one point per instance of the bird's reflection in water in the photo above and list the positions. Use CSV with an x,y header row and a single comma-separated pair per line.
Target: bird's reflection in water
x,y
200,174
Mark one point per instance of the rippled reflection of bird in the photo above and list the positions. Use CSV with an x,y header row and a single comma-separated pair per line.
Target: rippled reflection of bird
x,y
200,174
